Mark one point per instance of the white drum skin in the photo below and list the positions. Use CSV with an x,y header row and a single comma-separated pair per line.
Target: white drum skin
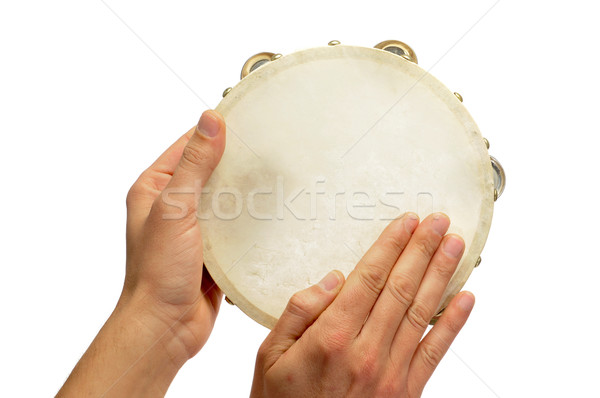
x,y
324,147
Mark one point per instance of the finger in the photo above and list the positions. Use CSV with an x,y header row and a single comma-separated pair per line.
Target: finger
x,y
153,180
404,280
356,299
198,160
168,161
428,297
302,310
436,343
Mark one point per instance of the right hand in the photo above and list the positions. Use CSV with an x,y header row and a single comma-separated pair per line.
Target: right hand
x,y
363,338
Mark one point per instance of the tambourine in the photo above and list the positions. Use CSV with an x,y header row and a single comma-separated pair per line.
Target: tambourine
x,y
325,147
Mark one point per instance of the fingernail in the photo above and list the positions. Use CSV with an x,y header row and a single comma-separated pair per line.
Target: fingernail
x,y
441,222
466,301
453,246
208,125
410,220
330,282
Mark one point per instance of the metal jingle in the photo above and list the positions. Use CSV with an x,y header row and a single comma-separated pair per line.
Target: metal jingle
x,y
255,62
499,177
399,48
460,98
477,262
334,43
228,301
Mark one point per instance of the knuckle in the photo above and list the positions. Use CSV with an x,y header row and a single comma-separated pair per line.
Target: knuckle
x,y
402,288
431,355
299,304
149,185
131,195
425,248
452,326
443,270
263,351
392,243
372,277
334,342
136,190
366,366
196,155
267,354
418,315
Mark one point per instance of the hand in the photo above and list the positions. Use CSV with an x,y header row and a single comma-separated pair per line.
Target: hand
x,y
362,338
164,244
169,302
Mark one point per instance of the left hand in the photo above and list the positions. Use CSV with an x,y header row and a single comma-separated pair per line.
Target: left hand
x,y
169,302
164,244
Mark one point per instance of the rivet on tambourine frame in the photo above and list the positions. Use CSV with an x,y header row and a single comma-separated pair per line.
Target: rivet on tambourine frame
x,y
255,62
399,48
228,301
334,43
460,98
486,142
478,262
227,91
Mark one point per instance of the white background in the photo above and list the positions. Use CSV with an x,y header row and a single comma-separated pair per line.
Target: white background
x,y
85,106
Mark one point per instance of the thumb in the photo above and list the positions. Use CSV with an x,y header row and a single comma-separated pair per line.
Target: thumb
x,y
303,309
200,157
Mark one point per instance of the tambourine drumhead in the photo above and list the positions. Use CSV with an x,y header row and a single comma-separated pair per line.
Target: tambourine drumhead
x,y
324,147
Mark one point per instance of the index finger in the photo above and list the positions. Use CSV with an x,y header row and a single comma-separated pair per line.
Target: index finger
x,y
153,180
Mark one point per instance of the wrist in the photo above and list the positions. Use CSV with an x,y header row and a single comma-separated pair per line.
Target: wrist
x,y
135,354
153,324
184,326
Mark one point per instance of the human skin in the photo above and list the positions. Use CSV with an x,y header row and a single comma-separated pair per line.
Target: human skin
x,y
169,303
321,344
362,338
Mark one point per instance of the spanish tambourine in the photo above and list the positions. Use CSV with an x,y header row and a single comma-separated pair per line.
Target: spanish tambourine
x,y
325,147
